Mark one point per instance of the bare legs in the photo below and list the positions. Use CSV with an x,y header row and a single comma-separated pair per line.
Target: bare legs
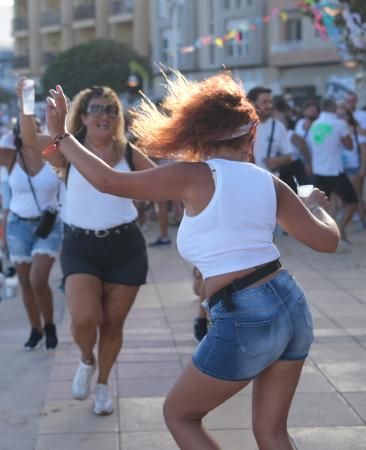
x,y
195,394
36,292
96,306
117,303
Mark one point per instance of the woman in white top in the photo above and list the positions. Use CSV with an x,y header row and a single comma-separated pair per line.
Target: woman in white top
x,y
33,256
103,257
261,324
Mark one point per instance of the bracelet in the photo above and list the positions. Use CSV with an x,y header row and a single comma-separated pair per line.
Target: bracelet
x,y
53,147
61,136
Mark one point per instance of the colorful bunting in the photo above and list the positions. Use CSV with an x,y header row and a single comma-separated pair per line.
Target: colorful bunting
x,y
323,18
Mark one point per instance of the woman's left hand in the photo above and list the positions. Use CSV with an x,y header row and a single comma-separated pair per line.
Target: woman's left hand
x,y
316,198
56,112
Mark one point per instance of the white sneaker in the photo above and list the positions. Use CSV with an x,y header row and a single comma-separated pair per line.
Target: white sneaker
x,y
103,404
82,381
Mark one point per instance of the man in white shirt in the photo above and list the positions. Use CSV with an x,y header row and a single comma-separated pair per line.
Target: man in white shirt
x,y
311,111
271,148
351,101
328,136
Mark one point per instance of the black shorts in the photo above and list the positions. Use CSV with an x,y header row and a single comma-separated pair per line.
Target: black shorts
x,y
120,257
339,184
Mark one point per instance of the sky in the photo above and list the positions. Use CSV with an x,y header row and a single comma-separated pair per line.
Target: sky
x,y
6,14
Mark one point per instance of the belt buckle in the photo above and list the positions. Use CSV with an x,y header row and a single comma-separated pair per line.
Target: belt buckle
x,y
101,233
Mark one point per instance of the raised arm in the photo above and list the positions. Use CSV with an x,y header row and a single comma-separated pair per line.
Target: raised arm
x,y
7,157
32,140
307,221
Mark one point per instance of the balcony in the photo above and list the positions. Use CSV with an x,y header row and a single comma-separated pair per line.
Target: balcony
x,y
48,57
84,12
50,18
20,24
20,62
121,7
299,53
287,46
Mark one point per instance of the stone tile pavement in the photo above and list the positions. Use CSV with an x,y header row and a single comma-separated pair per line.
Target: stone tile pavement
x,y
329,410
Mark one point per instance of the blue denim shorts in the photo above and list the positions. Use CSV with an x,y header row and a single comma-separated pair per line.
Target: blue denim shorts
x,y
23,243
269,322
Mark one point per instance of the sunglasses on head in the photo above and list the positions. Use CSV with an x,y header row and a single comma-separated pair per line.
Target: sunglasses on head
x,y
96,110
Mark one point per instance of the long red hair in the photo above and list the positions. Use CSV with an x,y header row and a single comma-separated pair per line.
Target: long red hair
x,y
193,118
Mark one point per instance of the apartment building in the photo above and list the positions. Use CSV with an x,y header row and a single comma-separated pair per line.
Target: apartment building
x,y
301,62
43,28
179,23
287,55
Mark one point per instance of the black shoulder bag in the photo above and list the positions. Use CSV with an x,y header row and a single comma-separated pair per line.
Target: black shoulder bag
x,y
48,216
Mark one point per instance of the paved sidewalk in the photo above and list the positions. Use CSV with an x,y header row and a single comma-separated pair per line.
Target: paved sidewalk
x,y
329,410
23,375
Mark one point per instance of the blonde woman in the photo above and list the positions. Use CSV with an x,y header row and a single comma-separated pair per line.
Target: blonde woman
x,y
103,256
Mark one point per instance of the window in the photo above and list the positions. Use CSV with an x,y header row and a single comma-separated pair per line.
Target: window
x,y
211,10
293,30
238,4
163,9
165,47
226,4
239,46
212,53
249,3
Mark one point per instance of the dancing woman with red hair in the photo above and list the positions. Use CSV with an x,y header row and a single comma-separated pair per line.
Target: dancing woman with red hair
x,y
261,324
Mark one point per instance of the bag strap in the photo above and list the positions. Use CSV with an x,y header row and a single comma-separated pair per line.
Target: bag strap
x,y
358,145
129,157
270,142
29,179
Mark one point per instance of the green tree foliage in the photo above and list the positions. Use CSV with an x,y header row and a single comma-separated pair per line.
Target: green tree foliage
x,y
98,62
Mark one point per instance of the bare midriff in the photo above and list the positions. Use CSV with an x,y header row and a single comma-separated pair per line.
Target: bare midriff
x,y
214,284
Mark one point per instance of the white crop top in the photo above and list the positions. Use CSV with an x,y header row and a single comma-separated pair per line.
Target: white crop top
x,y
86,207
235,230
46,186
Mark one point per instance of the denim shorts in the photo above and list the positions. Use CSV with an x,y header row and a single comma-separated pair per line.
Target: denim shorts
x,y
352,171
23,243
269,322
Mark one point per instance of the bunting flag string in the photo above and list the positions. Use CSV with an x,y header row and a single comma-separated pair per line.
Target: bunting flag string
x,y
323,14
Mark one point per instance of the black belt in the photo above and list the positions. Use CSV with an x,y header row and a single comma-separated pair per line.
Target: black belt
x,y
241,283
119,229
26,219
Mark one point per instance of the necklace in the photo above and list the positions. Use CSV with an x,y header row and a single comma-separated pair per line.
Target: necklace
x,y
97,151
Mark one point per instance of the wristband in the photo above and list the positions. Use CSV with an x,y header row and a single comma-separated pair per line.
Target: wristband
x,y
53,147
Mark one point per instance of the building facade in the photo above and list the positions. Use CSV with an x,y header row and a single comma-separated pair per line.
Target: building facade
x,y
301,62
43,28
282,51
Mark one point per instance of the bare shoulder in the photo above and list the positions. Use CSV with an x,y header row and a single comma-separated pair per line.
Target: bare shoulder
x,y
187,169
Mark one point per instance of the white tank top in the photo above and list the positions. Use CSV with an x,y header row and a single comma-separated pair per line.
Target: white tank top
x,y
235,230
86,207
45,184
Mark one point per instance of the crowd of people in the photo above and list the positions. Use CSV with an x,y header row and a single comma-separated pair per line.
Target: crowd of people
x,y
200,157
